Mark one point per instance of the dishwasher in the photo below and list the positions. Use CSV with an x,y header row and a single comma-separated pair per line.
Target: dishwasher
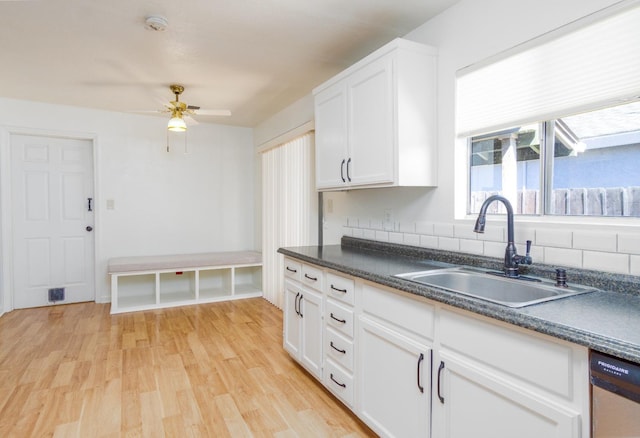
x,y
615,397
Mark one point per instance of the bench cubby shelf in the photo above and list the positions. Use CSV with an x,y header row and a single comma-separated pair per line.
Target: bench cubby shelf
x,y
144,283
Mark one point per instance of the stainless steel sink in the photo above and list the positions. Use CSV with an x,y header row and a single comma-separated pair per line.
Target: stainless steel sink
x,y
509,292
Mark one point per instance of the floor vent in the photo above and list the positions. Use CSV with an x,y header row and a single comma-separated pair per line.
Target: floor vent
x,y
56,294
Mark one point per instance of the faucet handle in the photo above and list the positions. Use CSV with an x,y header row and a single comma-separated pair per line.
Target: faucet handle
x,y
527,257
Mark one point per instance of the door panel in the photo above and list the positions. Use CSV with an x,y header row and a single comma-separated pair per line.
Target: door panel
x,y
51,179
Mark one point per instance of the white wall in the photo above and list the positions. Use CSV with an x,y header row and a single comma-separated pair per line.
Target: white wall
x,y
471,31
165,202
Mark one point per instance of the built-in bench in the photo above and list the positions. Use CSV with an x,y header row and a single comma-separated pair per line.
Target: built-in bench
x,y
153,282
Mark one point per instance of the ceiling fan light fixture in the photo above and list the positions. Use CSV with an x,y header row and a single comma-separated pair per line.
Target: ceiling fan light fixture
x,y
177,124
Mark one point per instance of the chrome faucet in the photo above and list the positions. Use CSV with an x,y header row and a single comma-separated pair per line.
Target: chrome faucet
x,y
511,258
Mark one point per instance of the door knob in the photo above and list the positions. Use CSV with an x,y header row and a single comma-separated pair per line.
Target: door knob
x,y
89,228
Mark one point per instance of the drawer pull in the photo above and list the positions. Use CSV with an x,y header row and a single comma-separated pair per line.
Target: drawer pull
x,y
419,374
344,291
336,382
440,368
343,321
337,349
310,277
292,270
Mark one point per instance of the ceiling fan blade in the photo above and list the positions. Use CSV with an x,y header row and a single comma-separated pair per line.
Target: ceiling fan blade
x,y
205,112
190,121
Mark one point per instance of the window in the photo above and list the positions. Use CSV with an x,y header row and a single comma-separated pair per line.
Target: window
x,y
587,164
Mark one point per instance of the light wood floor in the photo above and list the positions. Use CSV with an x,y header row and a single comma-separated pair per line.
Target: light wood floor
x,y
211,370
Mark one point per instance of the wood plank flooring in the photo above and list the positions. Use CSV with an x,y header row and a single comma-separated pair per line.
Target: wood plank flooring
x,y
214,370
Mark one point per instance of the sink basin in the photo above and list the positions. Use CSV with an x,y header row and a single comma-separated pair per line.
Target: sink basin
x,y
509,292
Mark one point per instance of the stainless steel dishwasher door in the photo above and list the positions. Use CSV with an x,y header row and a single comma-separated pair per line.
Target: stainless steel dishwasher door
x,y
615,397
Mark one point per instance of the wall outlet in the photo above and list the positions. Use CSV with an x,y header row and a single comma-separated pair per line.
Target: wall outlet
x,y
329,205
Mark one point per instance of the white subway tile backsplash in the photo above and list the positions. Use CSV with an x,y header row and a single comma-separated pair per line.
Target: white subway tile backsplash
x,y
357,232
634,268
424,228
563,257
396,237
346,231
494,249
606,261
494,234
353,222
381,236
429,241
464,231
595,240
411,239
555,238
444,230
369,234
629,243
448,244
522,235
472,246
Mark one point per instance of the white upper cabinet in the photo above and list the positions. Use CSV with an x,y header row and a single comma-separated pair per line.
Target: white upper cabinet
x,y
375,121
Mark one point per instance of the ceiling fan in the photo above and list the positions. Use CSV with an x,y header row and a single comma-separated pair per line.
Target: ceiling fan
x,y
181,112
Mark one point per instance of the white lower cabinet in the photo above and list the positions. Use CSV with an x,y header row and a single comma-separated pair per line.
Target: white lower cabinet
x,y
303,326
411,367
394,382
498,381
475,403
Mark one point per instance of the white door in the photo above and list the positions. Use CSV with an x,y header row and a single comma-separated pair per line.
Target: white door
x,y
53,244
331,137
370,103
394,375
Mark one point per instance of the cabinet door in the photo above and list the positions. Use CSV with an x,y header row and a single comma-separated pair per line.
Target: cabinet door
x,y
477,403
292,325
394,383
331,137
371,127
310,308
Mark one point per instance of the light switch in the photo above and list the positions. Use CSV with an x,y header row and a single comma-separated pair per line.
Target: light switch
x,y
111,204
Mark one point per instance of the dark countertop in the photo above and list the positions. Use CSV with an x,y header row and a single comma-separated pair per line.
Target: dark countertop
x,y
607,320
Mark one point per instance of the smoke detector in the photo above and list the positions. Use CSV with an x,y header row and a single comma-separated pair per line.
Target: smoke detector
x,y
156,23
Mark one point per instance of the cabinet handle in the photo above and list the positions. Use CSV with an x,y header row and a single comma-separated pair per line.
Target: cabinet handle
x,y
344,291
419,374
300,306
440,368
343,321
342,171
295,304
291,270
348,176
336,382
310,277
337,349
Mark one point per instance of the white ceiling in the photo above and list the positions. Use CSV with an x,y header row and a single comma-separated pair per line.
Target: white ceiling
x,y
253,57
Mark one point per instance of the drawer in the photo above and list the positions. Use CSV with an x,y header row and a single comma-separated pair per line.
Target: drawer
x,y
526,356
292,269
339,318
340,288
312,277
339,382
405,311
339,349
